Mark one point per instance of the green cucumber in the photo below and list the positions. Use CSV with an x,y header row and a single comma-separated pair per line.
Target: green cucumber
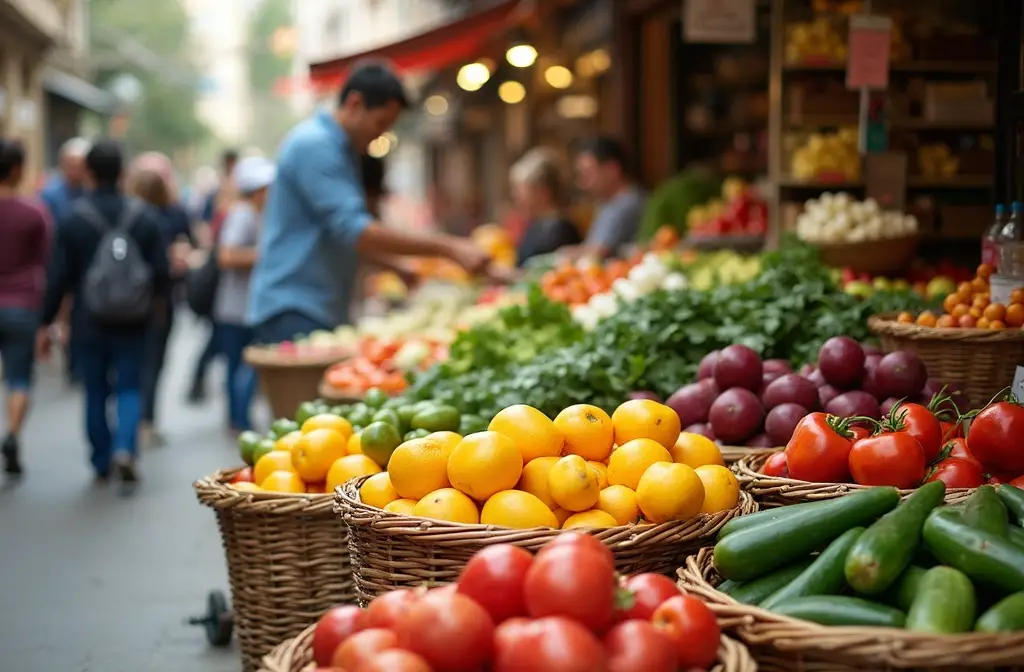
x,y
728,586
756,551
1006,616
980,555
760,518
825,574
945,603
1015,535
1013,498
841,610
754,592
905,589
888,546
984,510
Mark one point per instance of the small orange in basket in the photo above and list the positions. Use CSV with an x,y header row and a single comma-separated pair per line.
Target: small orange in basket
x,y
979,285
983,323
315,452
378,491
534,434
985,271
284,481
645,419
620,503
981,301
420,466
997,324
905,318
275,460
946,321
995,311
965,289
328,421
588,431
967,322
592,519
1017,295
976,312
1015,315
401,506
349,467
959,310
951,302
516,509
926,319
448,504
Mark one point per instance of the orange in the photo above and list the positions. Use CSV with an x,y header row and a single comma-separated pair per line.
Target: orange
x,y
967,322
602,473
645,419
982,323
981,301
951,302
518,509
562,515
420,466
926,319
979,285
985,271
316,488
965,289
315,452
1017,295
288,441
534,480
354,446
573,484
960,309
447,439
588,431
377,491
997,324
905,318
619,502
483,464
328,421
245,486
946,321
351,466
592,519
447,504
995,311
1015,315
721,489
275,460
695,450
533,433
403,507
283,481
629,461
669,491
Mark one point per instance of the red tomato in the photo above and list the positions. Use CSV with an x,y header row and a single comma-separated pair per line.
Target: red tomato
x,y
637,645
816,452
999,479
776,466
571,581
647,593
859,432
580,539
387,609
333,628
452,632
994,437
957,472
692,627
494,578
1018,482
548,644
958,448
920,423
951,430
395,660
362,647
890,458
243,476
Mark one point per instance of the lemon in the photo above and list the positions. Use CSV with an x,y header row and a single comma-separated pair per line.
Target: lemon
x,y
696,450
535,480
515,508
594,518
483,464
377,490
721,489
448,504
630,460
669,491
346,468
533,433
573,484
619,502
275,460
245,486
602,472
420,466
403,507
354,447
284,481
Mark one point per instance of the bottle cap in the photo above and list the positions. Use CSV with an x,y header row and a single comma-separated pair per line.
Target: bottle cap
x,y
1000,208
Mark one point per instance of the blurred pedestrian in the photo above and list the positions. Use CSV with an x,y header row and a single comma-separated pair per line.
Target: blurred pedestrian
x,y
111,254
26,233
538,187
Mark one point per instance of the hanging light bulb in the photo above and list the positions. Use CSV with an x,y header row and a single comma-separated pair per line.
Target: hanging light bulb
x,y
472,76
521,55
558,76
436,105
511,92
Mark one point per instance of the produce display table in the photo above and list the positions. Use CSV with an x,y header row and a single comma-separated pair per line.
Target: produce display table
x,y
289,380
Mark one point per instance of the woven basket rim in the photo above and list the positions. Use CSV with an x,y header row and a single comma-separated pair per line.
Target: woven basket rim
x,y
889,646
886,324
263,357
733,454
746,470
214,491
349,505
338,395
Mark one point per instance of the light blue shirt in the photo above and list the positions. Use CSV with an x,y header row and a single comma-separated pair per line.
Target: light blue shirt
x,y
58,196
314,217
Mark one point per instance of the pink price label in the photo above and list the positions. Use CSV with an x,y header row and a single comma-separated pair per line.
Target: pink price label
x,y
867,65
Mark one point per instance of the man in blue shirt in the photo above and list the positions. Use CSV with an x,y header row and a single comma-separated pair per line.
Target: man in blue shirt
x,y
68,184
316,223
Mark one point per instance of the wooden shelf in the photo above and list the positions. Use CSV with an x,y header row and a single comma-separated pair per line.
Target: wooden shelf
x,y
955,182
788,181
809,122
912,67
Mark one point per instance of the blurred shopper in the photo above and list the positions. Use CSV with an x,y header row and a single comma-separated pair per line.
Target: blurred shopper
x,y
110,254
26,233
317,225
236,255
602,169
538,188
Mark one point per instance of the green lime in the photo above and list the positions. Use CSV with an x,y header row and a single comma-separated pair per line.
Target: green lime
x,y
262,448
305,411
389,416
361,414
247,442
342,409
378,441
437,419
416,434
423,405
375,397
471,424
405,414
282,426
356,429
395,402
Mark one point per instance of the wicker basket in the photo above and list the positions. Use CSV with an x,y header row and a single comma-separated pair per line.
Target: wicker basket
x,y
877,257
391,551
785,644
338,396
982,360
733,454
287,382
287,561
296,655
772,491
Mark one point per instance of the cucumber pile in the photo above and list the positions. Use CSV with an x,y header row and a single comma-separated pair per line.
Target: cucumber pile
x,y
869,559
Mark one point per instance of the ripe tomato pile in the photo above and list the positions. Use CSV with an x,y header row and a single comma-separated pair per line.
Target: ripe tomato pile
x,y
564,610
912,446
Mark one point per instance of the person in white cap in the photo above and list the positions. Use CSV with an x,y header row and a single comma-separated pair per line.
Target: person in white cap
x,y
236,254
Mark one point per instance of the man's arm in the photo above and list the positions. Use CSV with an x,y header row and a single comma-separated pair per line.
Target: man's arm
x,y
237,249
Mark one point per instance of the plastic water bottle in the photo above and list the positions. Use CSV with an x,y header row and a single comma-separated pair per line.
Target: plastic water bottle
x,y
1013,230
1011,245
990,241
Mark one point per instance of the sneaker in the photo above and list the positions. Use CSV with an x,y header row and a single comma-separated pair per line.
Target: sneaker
x,y
10,452
124,466
101,479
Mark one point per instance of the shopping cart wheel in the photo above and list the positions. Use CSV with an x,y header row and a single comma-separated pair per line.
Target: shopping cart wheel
x,y
219,620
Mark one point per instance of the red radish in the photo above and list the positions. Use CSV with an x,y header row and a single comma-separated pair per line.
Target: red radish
x,y
703,429
806,369
645,394
791,388
776,465
768,377
693,402
841,361
932,387
736,416
814,375
781,421
706,368
762,441
738,366
901,374
887,405
871,349
869,383
854,402
826,393
777,366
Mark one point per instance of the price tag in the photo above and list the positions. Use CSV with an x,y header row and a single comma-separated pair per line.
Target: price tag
x,y
1017,389
867,60
885,179
720,21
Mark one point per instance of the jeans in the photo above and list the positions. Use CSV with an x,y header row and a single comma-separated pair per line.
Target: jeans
x,y
156,353
112,367
232,340
18,347
286,326
210,351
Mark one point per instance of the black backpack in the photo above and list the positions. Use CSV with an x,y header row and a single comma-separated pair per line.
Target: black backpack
x,y
201,285
118,285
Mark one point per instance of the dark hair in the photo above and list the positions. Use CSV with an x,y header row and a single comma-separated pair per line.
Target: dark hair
x,y
372,170
376,82
229,157
151,187
105,162
12,156
607,150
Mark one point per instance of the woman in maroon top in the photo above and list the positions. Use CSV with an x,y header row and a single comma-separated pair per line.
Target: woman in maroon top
x,y
26,233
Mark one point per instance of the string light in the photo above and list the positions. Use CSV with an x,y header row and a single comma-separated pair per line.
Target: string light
x,y
473,76
511,92
558,76
521,55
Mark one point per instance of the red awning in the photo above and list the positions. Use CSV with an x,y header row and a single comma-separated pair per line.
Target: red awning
x,y
448,44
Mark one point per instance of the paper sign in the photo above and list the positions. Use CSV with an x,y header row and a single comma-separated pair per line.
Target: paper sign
x,y
1018,384
885,179
720,21
867,64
